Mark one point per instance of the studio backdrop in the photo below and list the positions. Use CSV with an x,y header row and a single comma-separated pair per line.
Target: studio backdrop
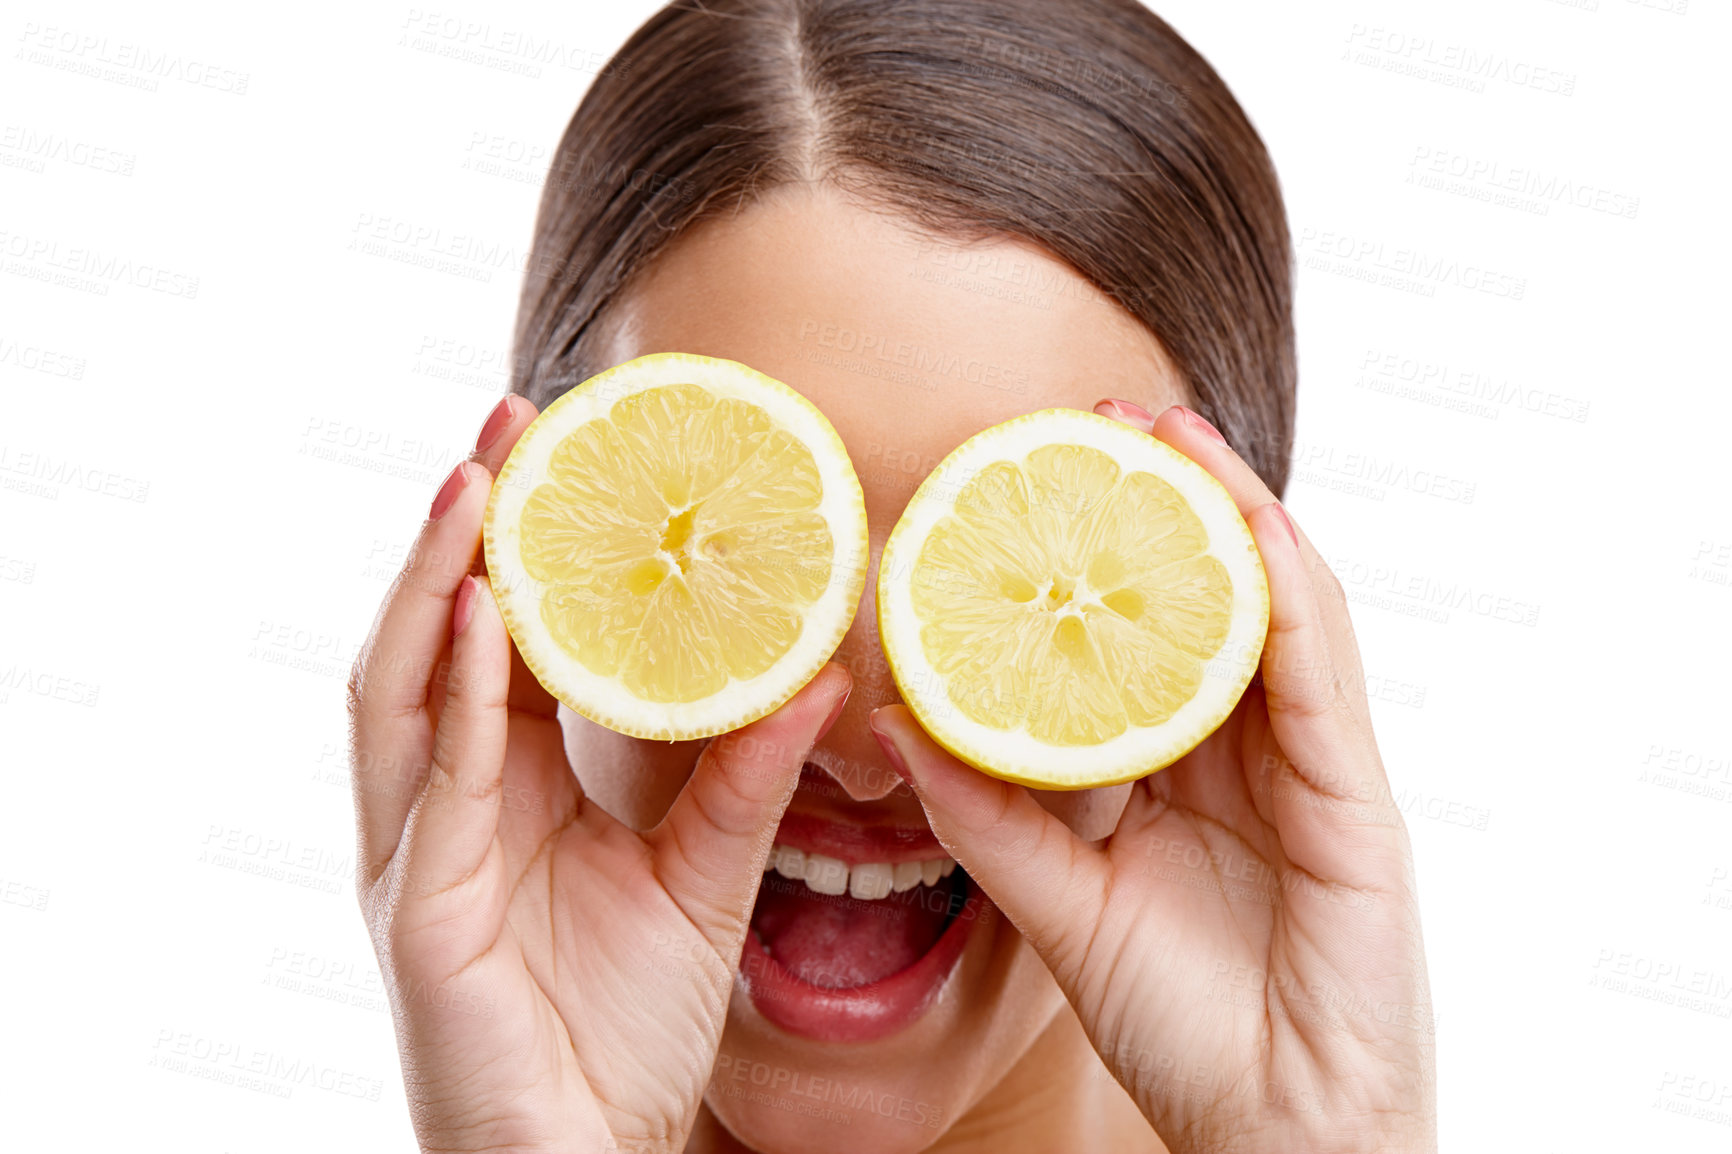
x,y
261,270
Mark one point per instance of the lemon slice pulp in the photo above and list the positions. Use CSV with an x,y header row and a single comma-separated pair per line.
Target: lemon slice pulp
x,y
1069,603
677,545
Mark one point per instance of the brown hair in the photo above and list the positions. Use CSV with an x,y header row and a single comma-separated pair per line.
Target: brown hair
x,y
1088,127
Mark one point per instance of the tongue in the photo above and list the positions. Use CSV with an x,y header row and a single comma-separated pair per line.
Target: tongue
x,y
842,942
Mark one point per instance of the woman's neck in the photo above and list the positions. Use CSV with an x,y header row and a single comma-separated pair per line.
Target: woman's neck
x,y
1057,1097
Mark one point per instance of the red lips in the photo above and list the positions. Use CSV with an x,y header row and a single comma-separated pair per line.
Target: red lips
x,y
838,969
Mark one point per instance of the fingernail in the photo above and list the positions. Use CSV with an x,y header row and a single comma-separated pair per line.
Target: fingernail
x,y
447,494
835,712
1196,419
1126,411
465,607
494,425
891,753
1288,521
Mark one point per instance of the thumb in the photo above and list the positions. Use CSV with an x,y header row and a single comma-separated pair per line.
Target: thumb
x,y
1050,883
711,848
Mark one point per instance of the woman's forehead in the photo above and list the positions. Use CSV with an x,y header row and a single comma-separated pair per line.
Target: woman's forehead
x,y
908,342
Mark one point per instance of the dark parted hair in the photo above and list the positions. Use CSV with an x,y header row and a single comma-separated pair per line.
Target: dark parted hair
x,y
1088,127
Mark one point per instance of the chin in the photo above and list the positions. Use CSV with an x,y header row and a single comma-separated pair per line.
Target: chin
x,y
872,1026
801,1126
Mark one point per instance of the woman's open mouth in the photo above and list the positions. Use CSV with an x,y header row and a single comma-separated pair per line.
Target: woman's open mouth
x,y
856,928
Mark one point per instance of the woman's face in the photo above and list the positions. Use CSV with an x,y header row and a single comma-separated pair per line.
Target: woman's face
x,y
894,1017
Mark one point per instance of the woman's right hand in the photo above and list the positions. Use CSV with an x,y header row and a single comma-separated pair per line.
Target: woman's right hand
x,y
1244,950
558,981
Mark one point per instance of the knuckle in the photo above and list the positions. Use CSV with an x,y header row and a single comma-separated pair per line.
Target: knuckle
x,y
354,692
442,764
1333,590
1286,626
474,690
989,818
1301,700
450,777
432,568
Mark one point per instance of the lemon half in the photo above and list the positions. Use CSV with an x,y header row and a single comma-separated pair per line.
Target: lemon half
x,y
677,545
1067,602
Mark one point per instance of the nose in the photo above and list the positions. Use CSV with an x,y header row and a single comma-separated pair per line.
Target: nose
x,y
862,779
849,753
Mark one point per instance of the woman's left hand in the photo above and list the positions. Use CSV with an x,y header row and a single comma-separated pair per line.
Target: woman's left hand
x,y
1244,950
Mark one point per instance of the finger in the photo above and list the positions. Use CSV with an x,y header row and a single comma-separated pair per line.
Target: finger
x,y
500,431
1325,783
1311,667
711,847
1195,437
1051,884
456,815
499,435
391,733
448,548
1191,435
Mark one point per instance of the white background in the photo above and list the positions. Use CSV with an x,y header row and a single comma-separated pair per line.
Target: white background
x,y
189,558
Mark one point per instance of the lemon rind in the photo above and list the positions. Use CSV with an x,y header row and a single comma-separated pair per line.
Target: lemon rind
x,y
1015,755
740,702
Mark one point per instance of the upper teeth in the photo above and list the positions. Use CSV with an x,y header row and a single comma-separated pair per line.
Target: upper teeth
x,y
868,881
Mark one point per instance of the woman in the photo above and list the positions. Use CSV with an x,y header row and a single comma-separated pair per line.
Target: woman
x,y
928,216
